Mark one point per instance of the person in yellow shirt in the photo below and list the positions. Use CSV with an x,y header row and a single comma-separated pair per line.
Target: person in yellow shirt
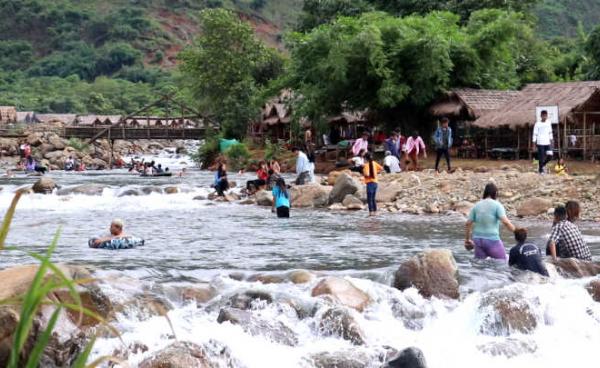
x,y
370,171
560,168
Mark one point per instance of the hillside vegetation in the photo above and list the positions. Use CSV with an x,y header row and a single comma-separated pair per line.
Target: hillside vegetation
x,y
114,56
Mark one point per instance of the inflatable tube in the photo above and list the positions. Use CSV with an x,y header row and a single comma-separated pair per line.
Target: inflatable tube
x,y
119,243
164,174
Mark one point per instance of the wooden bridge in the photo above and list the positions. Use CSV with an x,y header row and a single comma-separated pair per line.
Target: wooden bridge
x,y
132,133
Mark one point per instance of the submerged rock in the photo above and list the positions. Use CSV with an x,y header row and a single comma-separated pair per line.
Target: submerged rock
x,y
85,189
408,358
256,326
301,276
344,185
44,185
129,193
177,355
172,190
342,291
506,311
199,293
247,299
340,322
433,273
150,190
341,359
573,268
509,348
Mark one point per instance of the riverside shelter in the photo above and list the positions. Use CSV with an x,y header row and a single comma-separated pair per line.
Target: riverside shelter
x,y
577,134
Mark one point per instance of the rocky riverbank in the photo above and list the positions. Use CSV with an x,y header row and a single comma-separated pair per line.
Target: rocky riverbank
x,y
52,151
524,194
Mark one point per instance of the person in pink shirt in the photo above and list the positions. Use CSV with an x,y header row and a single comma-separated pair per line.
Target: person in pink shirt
x,y
413,147
361,144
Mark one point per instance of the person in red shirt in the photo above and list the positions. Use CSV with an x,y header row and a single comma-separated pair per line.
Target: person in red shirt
x,y
263,175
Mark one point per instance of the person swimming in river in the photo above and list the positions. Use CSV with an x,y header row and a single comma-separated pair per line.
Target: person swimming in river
x,y
32,166
526,256
116,232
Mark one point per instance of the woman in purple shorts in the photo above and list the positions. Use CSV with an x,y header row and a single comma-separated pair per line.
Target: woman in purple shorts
x,y
483,226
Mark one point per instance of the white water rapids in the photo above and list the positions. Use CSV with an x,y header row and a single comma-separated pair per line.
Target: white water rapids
x,y
196,241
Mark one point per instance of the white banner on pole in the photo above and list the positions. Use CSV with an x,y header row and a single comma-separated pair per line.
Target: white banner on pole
x,y
552,113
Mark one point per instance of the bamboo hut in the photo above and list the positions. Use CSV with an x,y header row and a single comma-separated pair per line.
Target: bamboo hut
x,y
577,134
8,114
97,120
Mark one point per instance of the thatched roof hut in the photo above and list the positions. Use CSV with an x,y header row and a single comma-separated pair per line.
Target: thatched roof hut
x,y
570,97
91,120
8,114
26,117
349,117
64,119
470,104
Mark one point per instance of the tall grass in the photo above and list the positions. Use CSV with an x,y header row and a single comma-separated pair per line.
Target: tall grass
x,y
48,278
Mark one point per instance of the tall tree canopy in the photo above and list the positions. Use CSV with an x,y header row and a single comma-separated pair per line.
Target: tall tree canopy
x,y
379,61
225,68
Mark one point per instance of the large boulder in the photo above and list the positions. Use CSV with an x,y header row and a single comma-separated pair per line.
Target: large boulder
x,y
342,291
573,268
341,323
67,339
264,198
44,185
55,156
433,273
533,207
388,192
351,202
178,355
84,189
408,358
344,185
275,331
45,148
56,141
507,311
35,139
248,298
312,195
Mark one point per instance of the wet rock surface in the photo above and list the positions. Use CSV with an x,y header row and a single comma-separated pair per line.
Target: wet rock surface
x,y
342,291
433,272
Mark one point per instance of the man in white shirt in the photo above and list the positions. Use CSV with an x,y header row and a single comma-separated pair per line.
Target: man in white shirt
x,y
391,164
303,167
542,137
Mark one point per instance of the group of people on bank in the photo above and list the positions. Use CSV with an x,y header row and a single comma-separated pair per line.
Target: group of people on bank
x,y
482,235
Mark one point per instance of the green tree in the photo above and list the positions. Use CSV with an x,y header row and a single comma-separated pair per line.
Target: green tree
x,y
592,46
317,12
221,68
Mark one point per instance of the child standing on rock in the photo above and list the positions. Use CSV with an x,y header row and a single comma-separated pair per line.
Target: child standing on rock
x,y
370,171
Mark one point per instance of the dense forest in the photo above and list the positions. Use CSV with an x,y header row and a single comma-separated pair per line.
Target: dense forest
x,y
117,55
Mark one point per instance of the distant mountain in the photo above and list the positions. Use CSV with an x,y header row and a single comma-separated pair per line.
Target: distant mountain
x,y
561,17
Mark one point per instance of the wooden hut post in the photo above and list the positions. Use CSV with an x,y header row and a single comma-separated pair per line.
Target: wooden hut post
x,y
566,141
584,135
486,143
518,154
529,134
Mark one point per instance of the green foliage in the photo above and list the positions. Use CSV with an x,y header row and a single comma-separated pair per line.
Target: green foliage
x,y
567,17
237,156
272,150
592,46
208,150
317,12
224,70
77,144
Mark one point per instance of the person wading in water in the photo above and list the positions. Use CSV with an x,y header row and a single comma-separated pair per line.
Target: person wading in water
x,y
370,171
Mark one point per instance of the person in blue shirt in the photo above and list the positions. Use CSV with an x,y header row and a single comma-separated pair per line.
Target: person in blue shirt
x,y
221,183
483,226
526,256
443,143
281,199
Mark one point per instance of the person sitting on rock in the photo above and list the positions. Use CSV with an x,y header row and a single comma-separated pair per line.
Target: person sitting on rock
x,y
221,183
116,232
391,164
262,177
358,162
526,256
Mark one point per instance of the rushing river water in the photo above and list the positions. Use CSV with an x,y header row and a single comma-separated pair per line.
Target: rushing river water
x,y
190,241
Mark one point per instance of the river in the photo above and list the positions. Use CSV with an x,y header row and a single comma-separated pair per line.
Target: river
x,y
190,241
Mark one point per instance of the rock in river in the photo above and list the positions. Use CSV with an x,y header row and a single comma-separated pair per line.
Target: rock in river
x,y
44,186
340,322
264,198
344,185
311,195
85,189
408,358
256,326
507,311
433,273
178,355
343,291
